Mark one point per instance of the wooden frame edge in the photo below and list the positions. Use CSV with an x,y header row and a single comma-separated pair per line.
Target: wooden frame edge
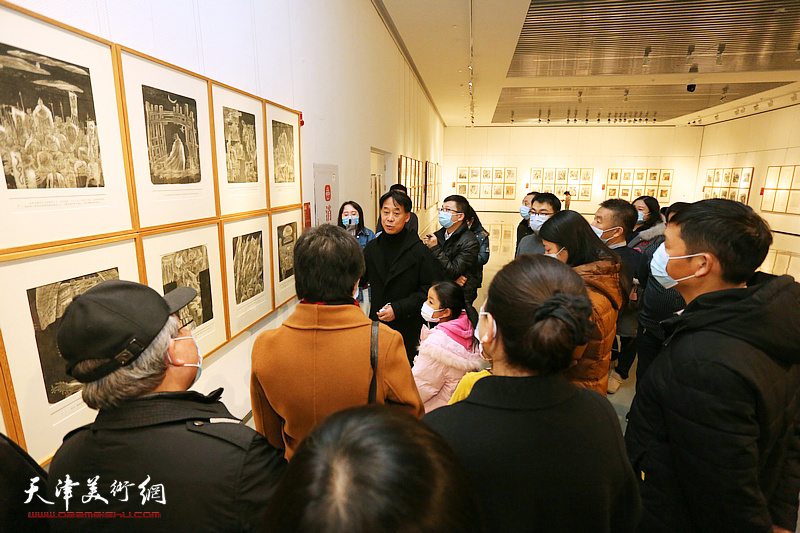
x,y
223,268
214,172
127,151
266,153
8,400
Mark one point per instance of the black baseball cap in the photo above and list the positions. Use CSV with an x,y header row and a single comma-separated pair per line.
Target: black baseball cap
x,y
115,320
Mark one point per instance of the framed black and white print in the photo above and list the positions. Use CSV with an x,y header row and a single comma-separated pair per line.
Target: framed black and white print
x,y
286,228
60,138
283,145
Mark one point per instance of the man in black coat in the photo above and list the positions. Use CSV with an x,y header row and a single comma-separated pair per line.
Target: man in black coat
x,y
524,226
456,247
713,433
400,270
164,458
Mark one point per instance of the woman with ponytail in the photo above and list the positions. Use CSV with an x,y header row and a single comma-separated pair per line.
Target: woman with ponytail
x,y
545,455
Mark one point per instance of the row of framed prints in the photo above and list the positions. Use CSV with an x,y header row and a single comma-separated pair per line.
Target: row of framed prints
x,y
422,179
782,190
726,193
733,178
495,175
653,177
661,194
242,270
541,177
98,139
486,191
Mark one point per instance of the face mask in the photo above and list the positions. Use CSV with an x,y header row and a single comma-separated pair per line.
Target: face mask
x,y
446,219
536,222
427,313
350,222
355,293
640,217
555,255
599,232
199,364
478,337
525,212
658,267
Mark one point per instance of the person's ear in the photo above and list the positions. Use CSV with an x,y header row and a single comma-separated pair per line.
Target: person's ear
x,y
176,358
707,266
447,312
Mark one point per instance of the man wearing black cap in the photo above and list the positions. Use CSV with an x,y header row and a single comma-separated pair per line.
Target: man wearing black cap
x,y
157,457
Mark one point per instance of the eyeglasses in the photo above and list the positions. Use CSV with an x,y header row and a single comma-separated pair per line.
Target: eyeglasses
x,y
189,324
449,211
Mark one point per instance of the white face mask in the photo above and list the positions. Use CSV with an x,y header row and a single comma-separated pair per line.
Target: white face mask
x,y
658,267
199,363
536,222
427,313
355,293
478,336
599,232
555,255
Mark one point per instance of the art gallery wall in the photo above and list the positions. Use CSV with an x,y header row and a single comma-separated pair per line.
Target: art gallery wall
x,y
334,61
760,141
596,147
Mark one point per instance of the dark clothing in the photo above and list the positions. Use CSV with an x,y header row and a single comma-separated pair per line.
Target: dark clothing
x,y
658,303
483,250
216,474
632,262
458,256
523,230
530,245
17,471
714,431
402,282
412,225
543,454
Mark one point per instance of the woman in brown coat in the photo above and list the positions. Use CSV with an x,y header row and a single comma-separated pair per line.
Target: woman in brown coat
x,y
568,237
318,361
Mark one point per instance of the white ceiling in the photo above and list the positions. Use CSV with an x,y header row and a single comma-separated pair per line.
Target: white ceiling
x,y
598,47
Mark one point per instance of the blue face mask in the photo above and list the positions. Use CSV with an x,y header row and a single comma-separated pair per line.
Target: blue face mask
x,y
640,217
446,219
350,222
536,222
658,267
525,212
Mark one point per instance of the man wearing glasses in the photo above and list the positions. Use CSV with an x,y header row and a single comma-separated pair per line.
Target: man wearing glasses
x,y
455,247
544,206
178,458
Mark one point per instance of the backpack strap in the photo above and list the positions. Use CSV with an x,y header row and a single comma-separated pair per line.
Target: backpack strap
x,y
373,361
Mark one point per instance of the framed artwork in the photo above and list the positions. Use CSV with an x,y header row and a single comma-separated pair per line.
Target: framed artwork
x,y
248,271
726,177
709,177
768,200
36,292
652,177
511,175
474,190
796,180
548,188
191,258
497,191
636,192
60,142
474,175
666,178
611,192
560,189
639,177
462,174
283,146
613,176
743,196
507,234
401,170
781,200
627,177
536,176
663,194
771,181
651,191
486,175
625,193
715,192
785,177
793,205
717,177
561,175
498,175
510,191
407,171
574,175
736,177
170,137
241,158
723,193
286,228
461,188
573,191
549,176
706,193
747,174
585,193
486,190
586,175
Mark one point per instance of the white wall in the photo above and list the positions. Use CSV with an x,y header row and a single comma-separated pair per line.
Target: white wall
x,y
334,61
598,147
760,141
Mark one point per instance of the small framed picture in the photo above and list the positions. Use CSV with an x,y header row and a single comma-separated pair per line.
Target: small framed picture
x,y
474,175
509,191
286,229
625,193
637,192
474,190
462,174
639,177
723,193
486,190
768,200
781,201
653,176
710,177
793,206
611,192
736,177
560,189
561,175
586,175
574,175
498,175
666,178
511,175
663,194
548,188
549,176
461,189
613,176
726,177
497,191
718,177
785,178
796,180
573,191
486,175
627,177
651,191
747,174
585,193
706,193
536,176
743,195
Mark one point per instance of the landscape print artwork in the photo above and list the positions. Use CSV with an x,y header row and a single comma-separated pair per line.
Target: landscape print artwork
x,y
241,159
47,304
48,127
283,151
248,266
190,268
286,237
172,146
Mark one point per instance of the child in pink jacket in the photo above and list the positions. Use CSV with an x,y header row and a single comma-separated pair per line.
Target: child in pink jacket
x,y
449,350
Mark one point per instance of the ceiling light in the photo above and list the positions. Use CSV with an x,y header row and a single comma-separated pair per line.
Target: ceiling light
x,y
512,116
720,49
625,98
689,52
646,60
716,117
469,67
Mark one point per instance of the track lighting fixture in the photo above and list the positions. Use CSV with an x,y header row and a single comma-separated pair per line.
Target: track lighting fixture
x,y
625,97
689,52
580,96
720,49
646,60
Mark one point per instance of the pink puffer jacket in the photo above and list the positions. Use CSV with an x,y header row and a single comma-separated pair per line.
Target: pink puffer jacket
x,y
444,359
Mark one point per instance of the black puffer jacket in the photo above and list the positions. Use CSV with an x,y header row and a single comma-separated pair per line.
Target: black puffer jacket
x,y
458,256
714,431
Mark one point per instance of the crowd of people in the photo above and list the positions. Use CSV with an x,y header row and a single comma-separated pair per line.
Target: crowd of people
x,y
427,414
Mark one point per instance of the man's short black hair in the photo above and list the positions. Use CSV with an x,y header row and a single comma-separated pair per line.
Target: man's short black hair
x,y
399,197
398,187
327,263
549,199
462,204
623,213
732,231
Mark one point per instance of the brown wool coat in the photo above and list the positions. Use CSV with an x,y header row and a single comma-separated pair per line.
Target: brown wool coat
x,y
317,363
602,283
